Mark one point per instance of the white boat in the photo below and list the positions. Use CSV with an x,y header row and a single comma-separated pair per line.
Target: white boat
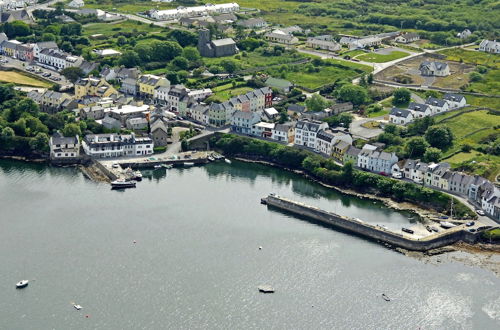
x,y
188,164
158,167
227,161
77,307
138,175
22,284
122,183
447,225
210,158
266,289
167,166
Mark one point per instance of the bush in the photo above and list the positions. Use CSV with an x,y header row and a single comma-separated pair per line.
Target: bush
x,y
159,150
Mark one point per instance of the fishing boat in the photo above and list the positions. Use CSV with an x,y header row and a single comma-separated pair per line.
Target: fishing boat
x,y
447,225
122,184
22,284
77,307
384,296
137,176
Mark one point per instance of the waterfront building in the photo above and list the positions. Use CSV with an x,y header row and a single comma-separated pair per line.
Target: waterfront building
x,y
116,145
243,121
199,113
326,139
64,147
339,150
283,133
306,132
351,155
263,129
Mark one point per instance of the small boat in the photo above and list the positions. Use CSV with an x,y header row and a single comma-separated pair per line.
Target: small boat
x,y
188,164
122,183
227,161
137,176
157,167
406,230
210,158
167,166
77,307
384,296
266,289
446,224
434,229
22,284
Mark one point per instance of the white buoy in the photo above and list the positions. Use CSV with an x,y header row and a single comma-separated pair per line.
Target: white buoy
x,y
260,247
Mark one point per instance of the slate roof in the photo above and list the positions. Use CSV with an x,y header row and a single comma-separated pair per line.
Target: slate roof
x,y
453,97
435,102
418,107
400,112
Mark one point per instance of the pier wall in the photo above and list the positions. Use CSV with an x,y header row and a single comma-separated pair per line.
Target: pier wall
x,y
112,176
370,231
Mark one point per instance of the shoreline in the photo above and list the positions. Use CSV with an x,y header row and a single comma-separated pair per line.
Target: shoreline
x,y
423,214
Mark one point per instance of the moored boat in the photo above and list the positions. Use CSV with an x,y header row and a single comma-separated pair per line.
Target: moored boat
x,y
137,176
447,225
227,161
22,284
266,289
384,296
122,183
188,164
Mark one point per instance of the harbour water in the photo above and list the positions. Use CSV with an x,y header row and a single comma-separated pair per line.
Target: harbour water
x,y
181,251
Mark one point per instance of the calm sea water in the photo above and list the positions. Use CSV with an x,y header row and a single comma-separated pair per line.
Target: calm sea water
x,y
196,262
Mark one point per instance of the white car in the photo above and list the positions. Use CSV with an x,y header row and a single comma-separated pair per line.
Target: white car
x,y
397,175
480,212
418,181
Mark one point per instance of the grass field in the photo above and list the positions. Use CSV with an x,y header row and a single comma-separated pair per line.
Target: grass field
x,y
482,101
225,92
381,58
489,85
472,57
22,79
256,59
126,26
124,7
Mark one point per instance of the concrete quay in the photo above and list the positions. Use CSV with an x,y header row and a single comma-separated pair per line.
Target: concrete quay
x,y
372,232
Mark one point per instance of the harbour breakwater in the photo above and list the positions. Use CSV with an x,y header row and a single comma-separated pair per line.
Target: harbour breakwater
x,y
372,232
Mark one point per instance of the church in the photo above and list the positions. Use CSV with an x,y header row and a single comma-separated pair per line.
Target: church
x,y
215,48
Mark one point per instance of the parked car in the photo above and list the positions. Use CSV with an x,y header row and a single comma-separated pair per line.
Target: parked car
x,y
397,175
418,181
470,223
46,74
480,212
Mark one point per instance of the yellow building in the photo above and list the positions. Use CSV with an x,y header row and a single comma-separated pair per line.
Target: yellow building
x,y
148,83
93,87
339,150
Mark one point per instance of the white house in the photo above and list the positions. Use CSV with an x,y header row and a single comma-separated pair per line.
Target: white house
x,y
306,132
406,38
326,139
281,37
161,93
364,156
64,147
464,34
455,101
437,69
283,133
116,145
437,105
205,10
325,44
490,46
263,129
243,121
400,116
419,110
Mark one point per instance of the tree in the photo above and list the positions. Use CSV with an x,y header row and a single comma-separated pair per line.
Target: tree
x,y
431,93
317,103
7,133
401,97
352,93
73,73
229,65
48,37
71,129
184,145
345,119
191,54
432,155
27,105
7,92
415,147
475,77
130,59
180,63
16,29
420,125
184,38
165,50
121,41
40,142
369,79
439,136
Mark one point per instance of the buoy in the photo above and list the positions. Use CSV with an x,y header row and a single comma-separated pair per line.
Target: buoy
x,y
135,241
260,247
87,316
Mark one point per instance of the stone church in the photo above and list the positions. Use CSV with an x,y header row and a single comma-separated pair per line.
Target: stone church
x,y
215,48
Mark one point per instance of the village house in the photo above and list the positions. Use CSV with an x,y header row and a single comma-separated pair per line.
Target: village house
x,y
252,23
351,155
337,108
199,113
243,121
407,38
326,140
263,129
436,69
464,34
283,133
434,175
124,112
281,84
322,42
159,132
281,37
93,87
339,150
360,43
136,124
419,110
16,15
270,114
295,110
455,101
64,147
458,183
200,94
76,4
490,46
306,132
116,145
148,83
51,101
39,46
400,116
437,105
129,86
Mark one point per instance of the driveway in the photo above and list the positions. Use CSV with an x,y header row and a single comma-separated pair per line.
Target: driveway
x,y
362,132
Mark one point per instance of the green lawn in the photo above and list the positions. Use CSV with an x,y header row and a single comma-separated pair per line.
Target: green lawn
x,y
19,78
472,57
226,94
326,75
482,101
256,59
381,58
382,112
108,29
